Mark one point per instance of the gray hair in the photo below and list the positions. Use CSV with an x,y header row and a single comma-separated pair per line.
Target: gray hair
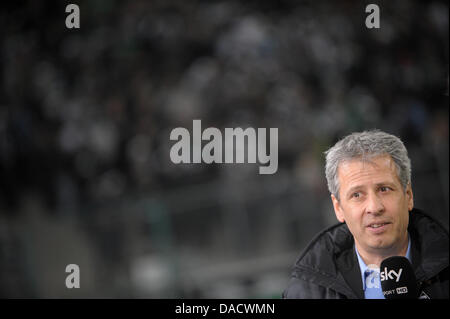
x,y
366,145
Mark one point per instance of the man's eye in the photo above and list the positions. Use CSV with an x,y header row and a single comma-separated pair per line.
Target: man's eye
x,y
384,188
356,195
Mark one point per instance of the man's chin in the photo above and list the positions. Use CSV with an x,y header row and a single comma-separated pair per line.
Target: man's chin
x,y
380,241
381,245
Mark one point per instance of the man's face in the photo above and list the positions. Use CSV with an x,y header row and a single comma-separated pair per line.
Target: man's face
x,y
373,204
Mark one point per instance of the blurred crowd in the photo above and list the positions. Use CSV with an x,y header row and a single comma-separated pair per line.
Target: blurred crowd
x,y
85,117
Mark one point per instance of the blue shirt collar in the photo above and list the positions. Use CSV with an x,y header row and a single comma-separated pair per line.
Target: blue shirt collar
x,y
363,266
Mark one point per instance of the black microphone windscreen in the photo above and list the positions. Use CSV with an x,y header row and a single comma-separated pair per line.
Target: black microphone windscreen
x,y
397,278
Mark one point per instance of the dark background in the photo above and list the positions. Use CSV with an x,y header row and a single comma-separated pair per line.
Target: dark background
x,y
85,118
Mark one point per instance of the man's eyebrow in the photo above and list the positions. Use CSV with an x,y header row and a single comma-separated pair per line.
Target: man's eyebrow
x,y
386,183
353,188
357,187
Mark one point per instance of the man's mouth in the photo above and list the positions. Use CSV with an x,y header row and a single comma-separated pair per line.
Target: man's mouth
x,y
378,225
378,228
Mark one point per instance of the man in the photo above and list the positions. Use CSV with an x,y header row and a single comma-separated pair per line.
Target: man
x,y
369,178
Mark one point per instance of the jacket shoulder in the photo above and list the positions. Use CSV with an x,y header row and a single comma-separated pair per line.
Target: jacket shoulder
x,y
325,246
315,274
430,250
423,222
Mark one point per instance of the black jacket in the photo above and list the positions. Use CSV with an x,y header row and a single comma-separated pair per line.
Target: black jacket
x,y
328,268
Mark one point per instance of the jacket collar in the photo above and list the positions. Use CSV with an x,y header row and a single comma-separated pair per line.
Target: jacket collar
x,y
430,245
348,266
330,261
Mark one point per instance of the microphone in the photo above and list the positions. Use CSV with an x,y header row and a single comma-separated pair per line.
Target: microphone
x,y
397,278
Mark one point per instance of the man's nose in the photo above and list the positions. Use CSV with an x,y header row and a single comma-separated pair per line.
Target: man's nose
x,y
374,204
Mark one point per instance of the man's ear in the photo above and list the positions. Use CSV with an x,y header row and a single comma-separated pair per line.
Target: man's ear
x,y
409,197
337,209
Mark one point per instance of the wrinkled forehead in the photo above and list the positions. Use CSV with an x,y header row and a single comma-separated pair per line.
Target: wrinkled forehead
x,y
359,165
